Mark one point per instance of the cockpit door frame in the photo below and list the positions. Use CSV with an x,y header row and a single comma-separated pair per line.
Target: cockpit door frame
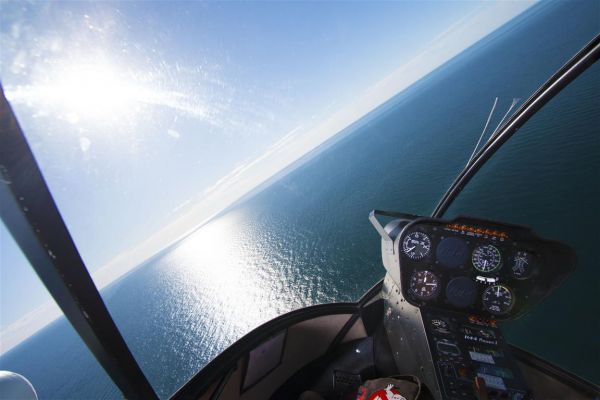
x,y
29,212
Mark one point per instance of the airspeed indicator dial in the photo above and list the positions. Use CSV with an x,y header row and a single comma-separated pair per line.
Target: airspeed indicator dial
x,y
416,245
486,258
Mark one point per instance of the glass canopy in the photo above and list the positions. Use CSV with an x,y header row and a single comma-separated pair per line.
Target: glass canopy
x,y
262,134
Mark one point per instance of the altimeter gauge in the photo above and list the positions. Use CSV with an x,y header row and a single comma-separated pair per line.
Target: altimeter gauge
x,y
424,285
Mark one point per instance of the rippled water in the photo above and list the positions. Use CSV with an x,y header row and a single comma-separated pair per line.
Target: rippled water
x,y
305,239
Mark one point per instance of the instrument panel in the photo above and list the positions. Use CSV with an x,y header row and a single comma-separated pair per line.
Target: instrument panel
x,y
478,266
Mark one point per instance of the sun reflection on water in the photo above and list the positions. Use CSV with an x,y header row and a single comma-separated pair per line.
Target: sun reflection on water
x,y
229,278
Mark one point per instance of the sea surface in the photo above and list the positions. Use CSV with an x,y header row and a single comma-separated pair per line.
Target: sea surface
x,y
305,238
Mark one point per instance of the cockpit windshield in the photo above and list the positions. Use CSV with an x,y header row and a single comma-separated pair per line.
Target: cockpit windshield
x,y
262,134
547,177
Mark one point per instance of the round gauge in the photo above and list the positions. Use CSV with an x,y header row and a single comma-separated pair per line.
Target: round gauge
x,y
424,285
522,264
452,252
498,299
461,292
486,258
416,245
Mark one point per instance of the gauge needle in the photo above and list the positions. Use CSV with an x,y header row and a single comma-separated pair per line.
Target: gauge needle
x,y
411,248
498,292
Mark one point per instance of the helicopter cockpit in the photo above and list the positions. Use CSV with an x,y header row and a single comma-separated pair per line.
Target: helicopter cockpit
x,y
439,320
447,285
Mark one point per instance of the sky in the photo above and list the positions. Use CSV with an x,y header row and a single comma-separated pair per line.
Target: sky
x,y
147,118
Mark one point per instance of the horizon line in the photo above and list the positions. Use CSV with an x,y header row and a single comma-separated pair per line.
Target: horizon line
x,y
278,154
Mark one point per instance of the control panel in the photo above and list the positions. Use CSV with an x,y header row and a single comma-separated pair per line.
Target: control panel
x,y
491,269
448,282
464,347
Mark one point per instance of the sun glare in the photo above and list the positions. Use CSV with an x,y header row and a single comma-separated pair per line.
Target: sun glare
x,y
99,91
83,91
92,90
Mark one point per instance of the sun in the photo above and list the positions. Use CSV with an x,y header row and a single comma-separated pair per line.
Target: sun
x,y
93,91
85,91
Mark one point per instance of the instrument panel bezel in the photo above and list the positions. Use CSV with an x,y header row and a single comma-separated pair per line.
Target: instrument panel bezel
x,y
553,262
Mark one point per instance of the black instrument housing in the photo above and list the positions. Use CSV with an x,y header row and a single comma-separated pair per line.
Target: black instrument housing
x,y
552,263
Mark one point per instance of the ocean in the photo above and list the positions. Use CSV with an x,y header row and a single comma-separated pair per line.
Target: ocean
x,y
305,238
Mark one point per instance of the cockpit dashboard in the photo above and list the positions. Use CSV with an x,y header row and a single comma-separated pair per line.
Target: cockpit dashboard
x,y
477,266
448,283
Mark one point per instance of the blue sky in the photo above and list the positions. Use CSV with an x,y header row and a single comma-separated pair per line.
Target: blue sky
x,y
149,117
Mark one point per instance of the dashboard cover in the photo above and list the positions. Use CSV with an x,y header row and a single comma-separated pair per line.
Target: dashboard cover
x,y
472,265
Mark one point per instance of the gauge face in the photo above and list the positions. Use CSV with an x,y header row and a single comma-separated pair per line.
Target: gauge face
x,y
486,258
452,252
522,264
498,299
416,245
424,285
461,292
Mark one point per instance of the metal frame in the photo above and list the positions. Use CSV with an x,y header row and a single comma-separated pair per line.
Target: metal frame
x,y
565,75
30,214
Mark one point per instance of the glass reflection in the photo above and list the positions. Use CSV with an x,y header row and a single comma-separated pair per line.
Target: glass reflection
x,y
203,294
